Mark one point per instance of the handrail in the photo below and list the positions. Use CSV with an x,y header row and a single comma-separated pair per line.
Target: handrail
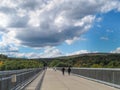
x,y
98,68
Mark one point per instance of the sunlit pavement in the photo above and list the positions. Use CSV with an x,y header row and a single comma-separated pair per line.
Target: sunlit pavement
x,y
54,80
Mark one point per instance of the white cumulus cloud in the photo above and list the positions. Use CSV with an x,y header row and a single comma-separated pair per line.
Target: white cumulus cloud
x,y
39,23
117,50
79,52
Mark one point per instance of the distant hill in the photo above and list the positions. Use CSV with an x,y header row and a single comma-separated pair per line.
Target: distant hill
x,y
89,60
79,56
93,60
3,56
7,63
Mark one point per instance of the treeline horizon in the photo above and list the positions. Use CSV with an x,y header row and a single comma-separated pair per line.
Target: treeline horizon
x,y
91,60
7,63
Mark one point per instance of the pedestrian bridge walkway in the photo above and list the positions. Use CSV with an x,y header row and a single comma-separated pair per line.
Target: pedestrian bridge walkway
x,y
54,80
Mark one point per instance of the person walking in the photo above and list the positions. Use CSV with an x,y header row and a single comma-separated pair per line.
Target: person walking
x,y
63,70
69,70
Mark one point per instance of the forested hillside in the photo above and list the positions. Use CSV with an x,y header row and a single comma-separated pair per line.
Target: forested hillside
x,y
92,60
18,63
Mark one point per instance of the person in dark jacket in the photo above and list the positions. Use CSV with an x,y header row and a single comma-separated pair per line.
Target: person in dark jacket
x,y
69,70
63,70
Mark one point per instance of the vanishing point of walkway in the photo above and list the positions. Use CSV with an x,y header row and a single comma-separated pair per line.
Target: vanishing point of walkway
x,y
54,80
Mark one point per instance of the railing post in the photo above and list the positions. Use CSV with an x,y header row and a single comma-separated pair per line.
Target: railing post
x,y
113,78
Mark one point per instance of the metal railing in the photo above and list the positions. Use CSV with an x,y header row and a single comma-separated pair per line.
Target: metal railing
x,y
107,76
10,80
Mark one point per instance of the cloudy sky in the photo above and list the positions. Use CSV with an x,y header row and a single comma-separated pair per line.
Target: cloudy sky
x,y
51,28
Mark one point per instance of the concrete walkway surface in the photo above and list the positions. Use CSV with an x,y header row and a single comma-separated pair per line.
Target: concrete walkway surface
x,y
34,84
54,80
